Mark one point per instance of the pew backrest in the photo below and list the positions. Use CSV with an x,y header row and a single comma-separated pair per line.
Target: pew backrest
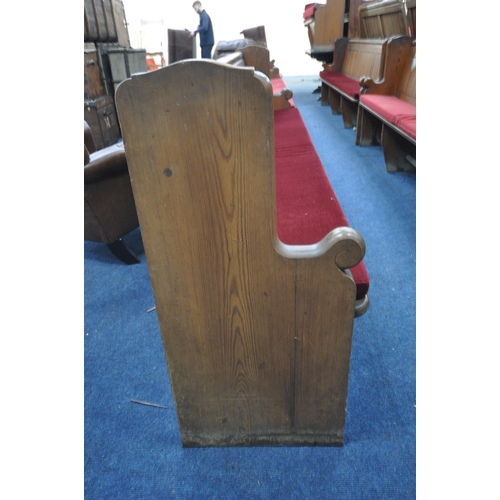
x,y
355,58
383,19
257,57
328,24
407,88
253,55
411,6
400,71
387,110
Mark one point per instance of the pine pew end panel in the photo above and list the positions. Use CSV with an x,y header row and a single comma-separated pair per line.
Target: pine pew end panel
x,y
256,332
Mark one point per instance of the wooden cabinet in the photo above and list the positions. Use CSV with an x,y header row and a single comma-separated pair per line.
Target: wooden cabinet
x,y
180,46
108,60
100,114
383,19
92,78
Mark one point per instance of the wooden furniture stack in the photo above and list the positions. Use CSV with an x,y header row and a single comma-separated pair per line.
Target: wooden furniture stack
x,y
108,60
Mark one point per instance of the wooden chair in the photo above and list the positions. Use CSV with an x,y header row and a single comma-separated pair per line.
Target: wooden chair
x,y
257,334
109,208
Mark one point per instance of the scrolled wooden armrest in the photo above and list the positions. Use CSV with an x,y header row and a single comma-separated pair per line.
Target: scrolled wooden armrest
x,y
281,100
345,243
274,72
365,82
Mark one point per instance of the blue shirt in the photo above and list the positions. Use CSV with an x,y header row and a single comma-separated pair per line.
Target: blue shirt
x,y
205,29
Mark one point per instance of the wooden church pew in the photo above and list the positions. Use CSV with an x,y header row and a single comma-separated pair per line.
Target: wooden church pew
x,y
352,59
387,112
256,330
383,18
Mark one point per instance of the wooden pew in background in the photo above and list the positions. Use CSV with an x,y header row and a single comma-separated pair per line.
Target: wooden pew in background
x,y
325,25
353,59
387,18
387,111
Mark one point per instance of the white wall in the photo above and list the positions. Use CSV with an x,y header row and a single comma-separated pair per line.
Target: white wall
x,y
286,35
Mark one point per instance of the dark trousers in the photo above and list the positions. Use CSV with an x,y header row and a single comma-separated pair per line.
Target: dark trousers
x,y
206,52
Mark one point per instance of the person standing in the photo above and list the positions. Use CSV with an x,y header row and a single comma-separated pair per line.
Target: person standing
x,y
205,30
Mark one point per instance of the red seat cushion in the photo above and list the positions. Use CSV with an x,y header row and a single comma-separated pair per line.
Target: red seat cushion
x,y
344,83
306,206
394,110
408,124
309,11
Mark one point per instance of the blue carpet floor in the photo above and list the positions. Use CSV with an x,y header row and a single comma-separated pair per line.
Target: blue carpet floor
x,y
133,450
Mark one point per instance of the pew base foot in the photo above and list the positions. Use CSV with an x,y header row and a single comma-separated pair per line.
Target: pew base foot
x,y
399,154
197,441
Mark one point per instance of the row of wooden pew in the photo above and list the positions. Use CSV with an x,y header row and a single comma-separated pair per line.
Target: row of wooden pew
x,y
369,73
333,19
372,84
